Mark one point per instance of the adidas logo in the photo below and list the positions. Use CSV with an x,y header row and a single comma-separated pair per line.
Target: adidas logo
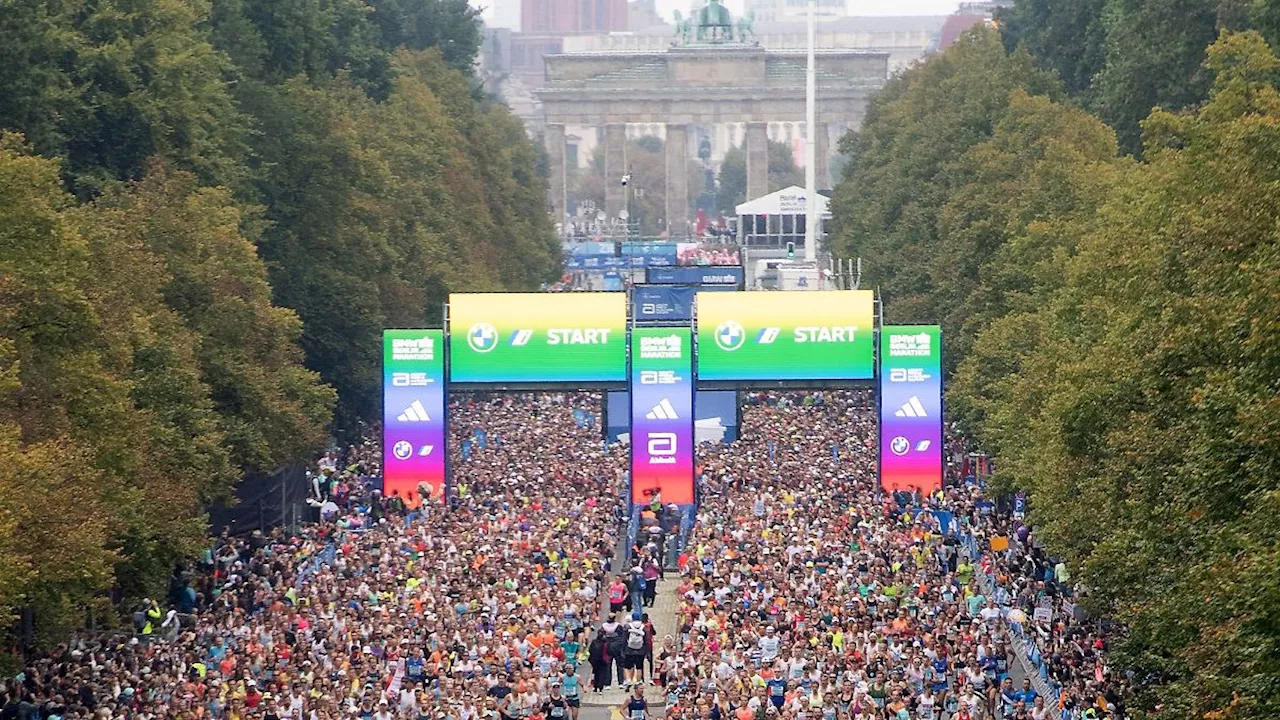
x,y
662,411
414,413
912,408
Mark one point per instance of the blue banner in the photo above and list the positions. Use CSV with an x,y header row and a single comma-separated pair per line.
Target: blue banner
x,y
592,256
704,275
663,302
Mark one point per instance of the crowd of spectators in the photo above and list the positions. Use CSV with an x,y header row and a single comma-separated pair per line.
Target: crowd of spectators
x,y
804,593
379,612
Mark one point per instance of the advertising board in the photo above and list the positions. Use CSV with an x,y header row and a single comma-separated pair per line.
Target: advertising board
x,y
537,338
911,407
786,336
662,437
413,413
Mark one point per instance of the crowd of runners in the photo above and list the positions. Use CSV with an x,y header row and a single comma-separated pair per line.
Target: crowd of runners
x,y
804,593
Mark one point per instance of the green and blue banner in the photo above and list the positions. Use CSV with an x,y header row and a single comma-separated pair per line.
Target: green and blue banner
x,y
537,338
911,407
413,414
786,336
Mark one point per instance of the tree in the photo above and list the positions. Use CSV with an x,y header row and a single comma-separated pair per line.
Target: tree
x,y
1136,401
1068,38
106,86
378,210
731,185
899,178
142,366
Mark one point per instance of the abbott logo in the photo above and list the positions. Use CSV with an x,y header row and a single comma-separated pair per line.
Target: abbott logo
x,y
730,335
482,337
662,411
911,408
662,448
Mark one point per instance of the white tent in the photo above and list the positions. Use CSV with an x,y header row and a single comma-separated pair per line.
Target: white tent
x,y
787,201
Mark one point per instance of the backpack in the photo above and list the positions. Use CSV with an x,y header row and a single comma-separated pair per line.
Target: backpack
x,y
635,639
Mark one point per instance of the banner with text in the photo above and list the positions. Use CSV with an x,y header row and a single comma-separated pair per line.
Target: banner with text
x,y
662,438
911,407
537,337
786,336
731,276
413,413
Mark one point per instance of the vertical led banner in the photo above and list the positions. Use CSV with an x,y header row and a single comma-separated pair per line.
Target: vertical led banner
x,y
911,407
413,413
662,415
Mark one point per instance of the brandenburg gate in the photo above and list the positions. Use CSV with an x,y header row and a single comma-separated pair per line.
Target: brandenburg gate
x,y
712,74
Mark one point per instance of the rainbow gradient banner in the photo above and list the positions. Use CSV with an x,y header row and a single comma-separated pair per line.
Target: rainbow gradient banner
x,y
662,437
525,338
911,407
413,414
786,336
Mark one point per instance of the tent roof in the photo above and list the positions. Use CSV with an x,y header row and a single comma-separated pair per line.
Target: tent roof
x,y
787,201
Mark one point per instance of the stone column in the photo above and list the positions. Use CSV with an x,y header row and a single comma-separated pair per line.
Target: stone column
x,y
757,143
677,149
554,138
615,166
822,156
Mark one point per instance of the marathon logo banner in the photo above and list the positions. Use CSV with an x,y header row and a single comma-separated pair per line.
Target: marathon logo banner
x,y
786,336
911,407
413,413
537,338
662,436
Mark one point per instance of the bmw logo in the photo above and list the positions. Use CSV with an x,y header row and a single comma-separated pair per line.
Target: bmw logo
x,y
730,335
899,445
402,450
482,337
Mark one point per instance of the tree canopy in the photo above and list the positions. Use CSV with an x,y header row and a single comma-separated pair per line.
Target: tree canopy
x,y
208,213
1111,327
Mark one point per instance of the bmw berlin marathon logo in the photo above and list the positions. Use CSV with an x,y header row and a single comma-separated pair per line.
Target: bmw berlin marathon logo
x,y
482,337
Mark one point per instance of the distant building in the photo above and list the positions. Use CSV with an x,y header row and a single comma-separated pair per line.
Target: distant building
x,y
572,16
956,25
643,14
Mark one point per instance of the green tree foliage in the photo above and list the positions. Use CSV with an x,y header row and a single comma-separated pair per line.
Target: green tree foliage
x,y
923,137
1124,348
170,150
1121,58
108,85
1147,400
731,184
377,210
143,367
